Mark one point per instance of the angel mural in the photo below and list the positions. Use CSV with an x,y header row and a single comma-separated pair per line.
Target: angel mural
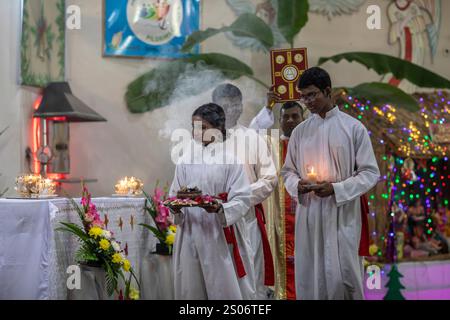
x,y
335,8
266,11
415,25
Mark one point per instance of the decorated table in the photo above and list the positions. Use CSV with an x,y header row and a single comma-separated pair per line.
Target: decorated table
x,y
35,259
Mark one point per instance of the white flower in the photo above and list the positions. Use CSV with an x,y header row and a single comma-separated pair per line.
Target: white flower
x,y
115,246
106,234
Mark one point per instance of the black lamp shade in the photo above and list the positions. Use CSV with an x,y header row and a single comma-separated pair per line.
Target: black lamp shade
x,y
58,101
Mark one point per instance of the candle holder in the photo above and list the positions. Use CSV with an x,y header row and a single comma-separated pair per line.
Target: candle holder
x,y
129,186
34,186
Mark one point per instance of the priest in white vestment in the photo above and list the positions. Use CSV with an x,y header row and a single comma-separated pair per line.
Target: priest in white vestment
x,y
252,151
208,262
330,163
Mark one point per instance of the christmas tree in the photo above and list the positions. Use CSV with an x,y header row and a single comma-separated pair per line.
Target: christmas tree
x,y
394,285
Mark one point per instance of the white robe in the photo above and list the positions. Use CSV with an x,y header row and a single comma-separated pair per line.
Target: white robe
x,y
252,151
328,230
203,261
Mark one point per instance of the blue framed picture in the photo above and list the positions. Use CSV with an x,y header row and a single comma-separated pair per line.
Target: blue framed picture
x,y
149,28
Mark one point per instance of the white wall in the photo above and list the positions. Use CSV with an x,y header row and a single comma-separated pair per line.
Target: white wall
x,y
131,144
11,112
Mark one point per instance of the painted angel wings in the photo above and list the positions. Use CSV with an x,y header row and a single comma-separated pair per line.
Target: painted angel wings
x,y
335,7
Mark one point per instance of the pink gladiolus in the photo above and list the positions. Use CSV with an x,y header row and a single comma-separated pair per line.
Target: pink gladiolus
x,y
159,194
97,223
163,211
162,222
88,218
93,209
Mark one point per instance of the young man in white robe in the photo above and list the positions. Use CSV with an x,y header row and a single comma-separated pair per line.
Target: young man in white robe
x,y
212,253
252,151
330,163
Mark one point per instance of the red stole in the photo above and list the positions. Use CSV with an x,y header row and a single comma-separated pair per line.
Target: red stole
x,y
230,236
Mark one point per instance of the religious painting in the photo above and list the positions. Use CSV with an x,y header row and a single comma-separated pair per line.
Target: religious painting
x,y
267,11
43,42
149,28
287,67
414,26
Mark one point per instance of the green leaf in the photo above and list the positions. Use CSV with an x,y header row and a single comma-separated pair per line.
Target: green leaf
x,y
111,279
246,25
155,231
383,93
75,229
154,89
401,69
292,17
230,67
86,254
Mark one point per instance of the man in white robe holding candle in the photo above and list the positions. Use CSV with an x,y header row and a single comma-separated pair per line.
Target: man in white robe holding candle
x,y
334,150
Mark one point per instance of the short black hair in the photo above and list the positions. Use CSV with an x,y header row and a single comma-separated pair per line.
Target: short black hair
x,y
226,90
214,114
290,105
314,76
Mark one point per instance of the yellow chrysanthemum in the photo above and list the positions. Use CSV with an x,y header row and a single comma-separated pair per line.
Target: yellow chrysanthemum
x,y
117,258
170,239
173,228
95,232
104,244
126,265
134,294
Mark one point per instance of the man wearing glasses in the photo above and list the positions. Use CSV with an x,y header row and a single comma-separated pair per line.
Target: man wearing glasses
x,y
329,164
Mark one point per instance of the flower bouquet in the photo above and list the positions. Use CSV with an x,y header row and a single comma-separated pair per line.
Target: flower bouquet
x,y
99,248
164,229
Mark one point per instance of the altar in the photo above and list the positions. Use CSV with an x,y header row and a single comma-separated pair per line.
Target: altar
x,y
34,258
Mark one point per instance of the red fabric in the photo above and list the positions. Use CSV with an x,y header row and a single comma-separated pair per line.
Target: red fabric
x,y
290,253
230,236
364,240
408,44
289,231
269,273
408,54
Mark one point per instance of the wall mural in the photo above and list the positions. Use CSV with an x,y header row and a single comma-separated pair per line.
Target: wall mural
x,y
335,8
415,26
265,10
43,42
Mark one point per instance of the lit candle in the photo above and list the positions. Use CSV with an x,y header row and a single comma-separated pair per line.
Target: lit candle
x,y
129,186
312,175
